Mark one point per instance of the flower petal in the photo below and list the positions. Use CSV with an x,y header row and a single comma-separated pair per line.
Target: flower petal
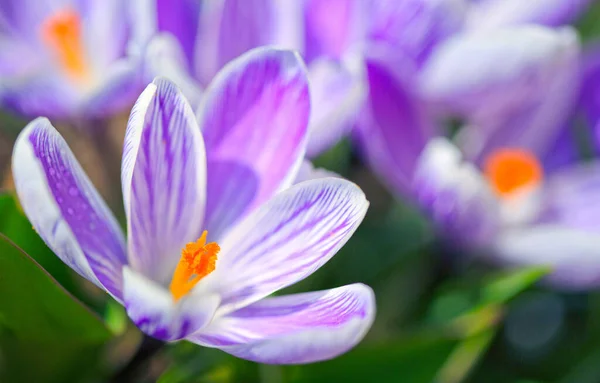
x,y
180,19
393,128
228,29
572,253
164,180
293,329
308,172
254,119
455,195
164,58
331,27
120,86
286,240
65,208
571,197
337,92
523,103
498,13
153,310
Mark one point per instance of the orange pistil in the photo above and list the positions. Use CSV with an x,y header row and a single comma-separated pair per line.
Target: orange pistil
x,y
62,33
510,170
198,259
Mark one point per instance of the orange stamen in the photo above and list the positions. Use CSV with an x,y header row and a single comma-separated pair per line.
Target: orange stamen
x,y
198,259
509,170
62,33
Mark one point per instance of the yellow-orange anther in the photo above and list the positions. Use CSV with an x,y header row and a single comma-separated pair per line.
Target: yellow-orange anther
x,y
509,170
62,33
198,259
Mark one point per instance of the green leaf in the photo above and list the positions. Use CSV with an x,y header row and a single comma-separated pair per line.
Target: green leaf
x,y
508,284
34,306
459,299
19,230
42,324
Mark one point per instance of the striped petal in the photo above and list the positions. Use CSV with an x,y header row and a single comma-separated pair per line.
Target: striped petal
x,y
573,254
165,58
455,195
65,208
164,180
571,197
286,240
393,128
337,92
521,104
153,310
293,329
229,28
254,119
498,13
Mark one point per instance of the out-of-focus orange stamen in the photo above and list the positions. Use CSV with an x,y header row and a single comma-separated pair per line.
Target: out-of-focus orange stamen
x,y
198,259
62,33
509,170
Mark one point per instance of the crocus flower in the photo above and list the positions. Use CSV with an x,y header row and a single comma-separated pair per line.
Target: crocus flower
x,y
213,228
498,190
67,59
336,37
196,39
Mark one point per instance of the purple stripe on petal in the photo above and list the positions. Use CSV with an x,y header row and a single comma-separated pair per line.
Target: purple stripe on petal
x,y
287,239
254,119
293,329
65,208
164,180
153,310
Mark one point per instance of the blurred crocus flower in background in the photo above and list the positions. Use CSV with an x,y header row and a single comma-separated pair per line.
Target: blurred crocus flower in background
x,y
214,32
67,59
501,189
218,187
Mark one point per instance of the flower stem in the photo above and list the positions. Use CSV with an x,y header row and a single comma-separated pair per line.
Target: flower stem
x,y
149,347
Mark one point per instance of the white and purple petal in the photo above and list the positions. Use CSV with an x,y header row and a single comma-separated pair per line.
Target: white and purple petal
x,y
286,240
163,178
230,28
254,119
164,57
293,329
393,127
65,208
153,310
455,195
573,254
488,14
522,103
337,91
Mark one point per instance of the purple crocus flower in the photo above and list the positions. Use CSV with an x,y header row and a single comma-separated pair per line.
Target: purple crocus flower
x,y
498,190
196,39
218,187
67,59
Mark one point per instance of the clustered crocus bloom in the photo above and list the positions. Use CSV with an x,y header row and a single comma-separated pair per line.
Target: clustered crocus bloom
x,y
214,227
500,190
68,59
339,39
